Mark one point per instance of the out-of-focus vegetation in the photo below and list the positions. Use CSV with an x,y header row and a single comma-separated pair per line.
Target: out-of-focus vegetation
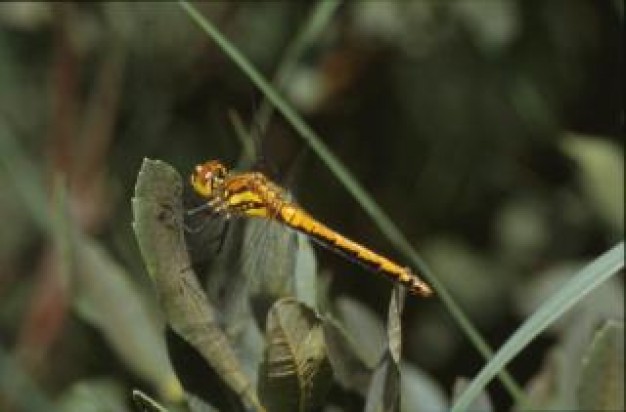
x,y
490,131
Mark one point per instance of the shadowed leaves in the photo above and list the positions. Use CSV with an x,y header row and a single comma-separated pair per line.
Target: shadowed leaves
x,y
295,374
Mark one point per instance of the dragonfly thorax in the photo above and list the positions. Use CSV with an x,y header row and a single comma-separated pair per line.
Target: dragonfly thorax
x,y
208,178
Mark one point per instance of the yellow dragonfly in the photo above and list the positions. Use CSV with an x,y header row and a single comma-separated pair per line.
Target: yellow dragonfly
x,y
252,194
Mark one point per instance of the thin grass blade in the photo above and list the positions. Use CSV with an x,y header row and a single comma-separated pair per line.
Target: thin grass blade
x,y
578,287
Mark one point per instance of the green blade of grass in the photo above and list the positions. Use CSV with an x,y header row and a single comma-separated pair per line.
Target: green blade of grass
x,y
380,218
577,288
312,28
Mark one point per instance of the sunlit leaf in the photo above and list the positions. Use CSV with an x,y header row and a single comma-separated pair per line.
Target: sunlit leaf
x,y
295,374
555,386
144,403
198,405
481,404
493,25
420,392
601,164
522,230
551,387
605,302
94,396
394,326
601,385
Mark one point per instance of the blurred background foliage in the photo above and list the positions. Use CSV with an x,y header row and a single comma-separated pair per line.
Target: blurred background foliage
x,y
491,131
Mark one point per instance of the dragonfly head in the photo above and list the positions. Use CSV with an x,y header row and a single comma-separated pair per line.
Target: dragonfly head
x,y
207,177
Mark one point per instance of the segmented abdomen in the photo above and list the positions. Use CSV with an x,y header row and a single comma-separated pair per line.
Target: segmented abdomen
x,y
300,220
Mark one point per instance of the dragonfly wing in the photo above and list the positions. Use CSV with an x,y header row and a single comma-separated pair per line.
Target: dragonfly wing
x,y
268,262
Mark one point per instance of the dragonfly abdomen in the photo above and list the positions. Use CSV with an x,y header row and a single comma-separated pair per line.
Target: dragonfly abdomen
x,y
300,220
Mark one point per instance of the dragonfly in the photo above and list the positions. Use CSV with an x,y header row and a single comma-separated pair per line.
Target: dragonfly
x,y
252,194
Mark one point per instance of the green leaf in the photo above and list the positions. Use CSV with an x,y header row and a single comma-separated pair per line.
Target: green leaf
x,y
94,395
145,403
601,164
555,386
196,404
481,404
130,329
384,390
394,326
601,384
295,374
349,369
18,389
365,327
550,388
157,212
420,392
578,287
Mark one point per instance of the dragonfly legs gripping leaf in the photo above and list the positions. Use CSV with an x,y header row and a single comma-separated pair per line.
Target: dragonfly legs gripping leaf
x,y
212,212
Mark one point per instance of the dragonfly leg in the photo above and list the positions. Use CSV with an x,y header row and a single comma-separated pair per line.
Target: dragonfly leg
x,y
197,229
213,204
222,235
203,207
198,209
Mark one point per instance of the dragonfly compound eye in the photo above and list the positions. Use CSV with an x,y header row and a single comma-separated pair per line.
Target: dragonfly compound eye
x,y
207,177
